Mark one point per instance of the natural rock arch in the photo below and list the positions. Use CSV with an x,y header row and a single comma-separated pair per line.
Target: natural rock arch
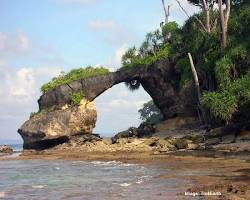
x,y
57,122
160,81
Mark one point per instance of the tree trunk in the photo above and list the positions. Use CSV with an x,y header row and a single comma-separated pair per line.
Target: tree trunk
x,y
196,18
196,80
200,111
206,9
224,17
166,11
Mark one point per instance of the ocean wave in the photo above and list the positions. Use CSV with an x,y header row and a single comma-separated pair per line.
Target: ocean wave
x,y
78,162
106,162
143,179
112,163
125,184
38,186
139,181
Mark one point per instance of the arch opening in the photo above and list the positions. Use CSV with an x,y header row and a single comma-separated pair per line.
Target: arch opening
x,y
117,109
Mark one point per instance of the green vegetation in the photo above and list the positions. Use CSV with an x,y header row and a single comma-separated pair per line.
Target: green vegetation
x,y
134,60
74,75
150,113
32,114
224,71
76,98
155,47
226,103
223,67
230,100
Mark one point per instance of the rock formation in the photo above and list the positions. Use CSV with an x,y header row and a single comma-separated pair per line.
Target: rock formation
x,y
160,81
49,128
143,131
6,149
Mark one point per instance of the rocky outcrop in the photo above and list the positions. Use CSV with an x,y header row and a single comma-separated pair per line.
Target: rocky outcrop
x,y
6,149
160,81
144,130
50,128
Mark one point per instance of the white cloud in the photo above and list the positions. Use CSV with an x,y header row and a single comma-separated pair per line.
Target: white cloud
x,y
20,84
124,104
7,117
117,109
176,13
101,24
115,61
23,83
19,91
112,32
16,43
24,41
119,53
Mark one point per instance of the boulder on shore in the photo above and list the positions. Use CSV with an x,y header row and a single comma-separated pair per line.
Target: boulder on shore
x,y
144,130
6,149
50,128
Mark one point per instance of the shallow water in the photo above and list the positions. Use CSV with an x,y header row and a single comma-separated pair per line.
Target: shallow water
x,y
40,179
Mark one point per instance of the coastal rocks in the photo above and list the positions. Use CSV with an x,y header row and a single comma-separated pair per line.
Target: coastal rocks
x,y
6,149
165,146
104,145
82,139
50,128
212,141
131,132
181,143
144,130
177,127
233,147
192,146
243,136
227,139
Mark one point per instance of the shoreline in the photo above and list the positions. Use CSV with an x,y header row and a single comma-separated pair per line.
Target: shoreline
x,y
227,173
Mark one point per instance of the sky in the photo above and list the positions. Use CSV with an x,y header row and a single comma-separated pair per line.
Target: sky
x,y
39,39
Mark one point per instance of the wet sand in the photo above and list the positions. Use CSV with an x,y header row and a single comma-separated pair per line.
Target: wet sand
x,y
226,173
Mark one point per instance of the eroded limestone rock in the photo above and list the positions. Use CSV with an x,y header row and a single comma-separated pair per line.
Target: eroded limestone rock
x,y
48,129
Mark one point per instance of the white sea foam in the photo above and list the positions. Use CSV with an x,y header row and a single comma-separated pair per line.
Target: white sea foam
x,y
38,186
57,168
2,195
128,165
143,178
78,161
146,176
103,163
112,163
125,184
139,181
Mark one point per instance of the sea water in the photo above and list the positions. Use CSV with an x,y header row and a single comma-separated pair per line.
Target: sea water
x,y
97,180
